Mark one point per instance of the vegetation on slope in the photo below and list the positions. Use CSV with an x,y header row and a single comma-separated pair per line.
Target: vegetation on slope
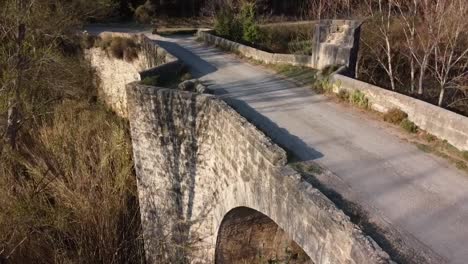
x,y
67,186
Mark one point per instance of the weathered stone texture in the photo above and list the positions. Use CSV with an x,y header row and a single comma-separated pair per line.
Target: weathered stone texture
x,y
335,42
197,159
115,73
438,121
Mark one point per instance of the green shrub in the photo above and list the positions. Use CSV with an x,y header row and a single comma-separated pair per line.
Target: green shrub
x,y
395,116
409,126
152,80
323,85
251,31
343,95
358,98
242,27
224,20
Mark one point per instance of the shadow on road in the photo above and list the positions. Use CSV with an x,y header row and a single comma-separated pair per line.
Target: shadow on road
x,y
198,67
296,149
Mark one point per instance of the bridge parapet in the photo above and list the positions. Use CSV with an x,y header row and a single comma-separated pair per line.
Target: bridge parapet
x,y
197,159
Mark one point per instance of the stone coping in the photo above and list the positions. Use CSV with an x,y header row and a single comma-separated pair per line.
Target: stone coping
x,y
438,121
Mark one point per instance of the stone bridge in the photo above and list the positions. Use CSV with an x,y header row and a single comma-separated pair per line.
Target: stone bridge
x,y
212,182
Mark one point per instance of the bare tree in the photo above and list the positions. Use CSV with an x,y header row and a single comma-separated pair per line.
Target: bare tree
x,y
382,12
409,12
451,54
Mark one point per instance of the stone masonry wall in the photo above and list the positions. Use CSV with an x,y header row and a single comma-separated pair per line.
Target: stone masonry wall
x,y
335,42
115,73
197,159
438,121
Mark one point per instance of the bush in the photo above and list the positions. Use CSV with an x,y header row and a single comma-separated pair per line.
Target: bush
x,y
409,126
395,116
223,22
343,95
358,98
250,28
120,47
429,138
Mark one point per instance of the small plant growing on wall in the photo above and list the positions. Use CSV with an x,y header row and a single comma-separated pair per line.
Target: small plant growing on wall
x,y
359,98
343,95
395,116
409,126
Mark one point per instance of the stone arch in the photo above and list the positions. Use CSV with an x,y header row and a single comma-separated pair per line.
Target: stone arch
x,y
248,236
197,157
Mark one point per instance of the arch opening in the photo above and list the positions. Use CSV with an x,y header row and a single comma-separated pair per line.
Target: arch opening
x,y
248,236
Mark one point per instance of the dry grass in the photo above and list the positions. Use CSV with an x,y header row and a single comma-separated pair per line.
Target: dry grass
x,y
395,116
120,47
68,194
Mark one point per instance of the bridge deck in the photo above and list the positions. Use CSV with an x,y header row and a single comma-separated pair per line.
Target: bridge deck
x,y
421,194
418,192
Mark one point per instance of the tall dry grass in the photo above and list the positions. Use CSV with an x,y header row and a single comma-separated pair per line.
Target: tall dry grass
x,y
68,194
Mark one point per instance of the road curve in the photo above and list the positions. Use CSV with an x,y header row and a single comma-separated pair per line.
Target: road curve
x,y
418,192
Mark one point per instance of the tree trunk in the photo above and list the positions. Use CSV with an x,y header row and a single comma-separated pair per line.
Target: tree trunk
x,y
421,75
441,95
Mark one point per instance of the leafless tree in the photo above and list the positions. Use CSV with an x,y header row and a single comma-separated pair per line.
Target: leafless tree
x,y
409,11
381,10
451,53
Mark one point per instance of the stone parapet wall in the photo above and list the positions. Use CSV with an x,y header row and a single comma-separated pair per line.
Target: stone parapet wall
x,y
335,42
253,53
115,73
440,122
197,159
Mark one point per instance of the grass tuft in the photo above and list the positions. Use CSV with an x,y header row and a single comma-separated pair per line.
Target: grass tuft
x,y
358,98
409,126
395,116
343,95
